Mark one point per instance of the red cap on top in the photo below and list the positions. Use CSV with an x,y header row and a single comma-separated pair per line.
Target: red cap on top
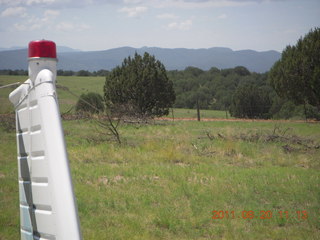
x,y
42,48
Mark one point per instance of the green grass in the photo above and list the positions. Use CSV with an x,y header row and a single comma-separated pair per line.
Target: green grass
x,y
5,105
77,85
167,178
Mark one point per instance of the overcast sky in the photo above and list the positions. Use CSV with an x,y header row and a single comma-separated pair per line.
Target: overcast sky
x,y
98,25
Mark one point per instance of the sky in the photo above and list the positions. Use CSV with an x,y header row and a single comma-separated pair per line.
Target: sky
x,y
91,25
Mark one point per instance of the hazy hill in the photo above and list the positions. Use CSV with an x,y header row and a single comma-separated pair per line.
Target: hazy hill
x,y
178,58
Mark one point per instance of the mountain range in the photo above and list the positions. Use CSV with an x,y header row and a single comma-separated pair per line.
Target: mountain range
x,y
173,59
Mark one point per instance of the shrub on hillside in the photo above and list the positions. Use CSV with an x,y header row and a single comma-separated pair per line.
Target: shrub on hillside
x,y
90,103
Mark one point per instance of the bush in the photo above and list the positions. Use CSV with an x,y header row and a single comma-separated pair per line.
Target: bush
x,y
90,103
289,110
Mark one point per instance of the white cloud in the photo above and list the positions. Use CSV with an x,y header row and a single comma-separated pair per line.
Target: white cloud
x,y
20,27
65,26
201,3
25,2
10,2
222,16
191,4
82,27
133,11
32,2
52,13
167,16
182,25
34,23
132,1
21,11
68,26
149,3
57,3
14,11
187,4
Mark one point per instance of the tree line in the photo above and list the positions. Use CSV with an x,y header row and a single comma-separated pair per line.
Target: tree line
x,y
60,72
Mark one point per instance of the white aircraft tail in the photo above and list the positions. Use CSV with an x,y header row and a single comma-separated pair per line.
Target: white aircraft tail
x,y
48,208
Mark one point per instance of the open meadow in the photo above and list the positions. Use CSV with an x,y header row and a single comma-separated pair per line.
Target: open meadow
x,y
167,178
180,179
77,85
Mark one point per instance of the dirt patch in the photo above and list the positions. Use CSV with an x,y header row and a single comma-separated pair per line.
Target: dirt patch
x,y
234,120
104,180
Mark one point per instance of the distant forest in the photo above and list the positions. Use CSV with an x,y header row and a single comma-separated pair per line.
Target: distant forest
x,y
82,73
242,93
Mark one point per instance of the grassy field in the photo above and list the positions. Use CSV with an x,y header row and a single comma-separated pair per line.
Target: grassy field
x,y
167,178
77,85
5,105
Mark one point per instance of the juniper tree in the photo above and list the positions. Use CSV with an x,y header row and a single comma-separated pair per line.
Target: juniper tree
x,y
296,76
139,86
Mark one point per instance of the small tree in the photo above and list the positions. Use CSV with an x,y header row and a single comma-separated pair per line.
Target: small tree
x,y
90,103
141,86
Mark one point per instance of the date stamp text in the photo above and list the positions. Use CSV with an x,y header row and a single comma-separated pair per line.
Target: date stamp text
x,y
263,214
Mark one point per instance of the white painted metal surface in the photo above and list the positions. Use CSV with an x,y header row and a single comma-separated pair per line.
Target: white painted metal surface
x,y
47,205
